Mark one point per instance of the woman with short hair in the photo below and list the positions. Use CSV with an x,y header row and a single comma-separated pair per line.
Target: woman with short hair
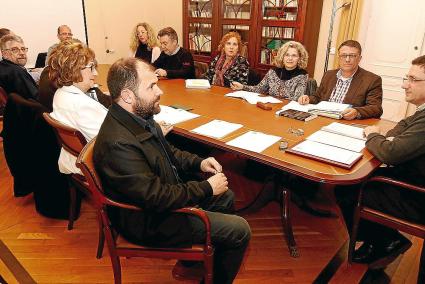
x,y
73,70
144,43
288,80
228,65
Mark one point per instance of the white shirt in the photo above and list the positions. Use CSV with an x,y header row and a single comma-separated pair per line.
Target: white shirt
x,y
75,109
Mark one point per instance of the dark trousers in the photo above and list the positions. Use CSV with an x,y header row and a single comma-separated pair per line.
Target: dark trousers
x,y
230,235
397,202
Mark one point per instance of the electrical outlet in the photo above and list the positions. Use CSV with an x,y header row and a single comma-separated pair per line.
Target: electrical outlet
x,y
332,51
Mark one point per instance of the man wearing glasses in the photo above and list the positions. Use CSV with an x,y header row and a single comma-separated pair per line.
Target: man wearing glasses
x,y
350,84
13,75
64,33
402,149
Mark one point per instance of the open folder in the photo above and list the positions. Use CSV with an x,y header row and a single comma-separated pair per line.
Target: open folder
x,y
336,143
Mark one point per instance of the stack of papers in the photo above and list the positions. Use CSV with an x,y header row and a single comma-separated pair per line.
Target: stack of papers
x,y
324,108
173,116
346,130
254,141
197,84
217,128
335,143
253,98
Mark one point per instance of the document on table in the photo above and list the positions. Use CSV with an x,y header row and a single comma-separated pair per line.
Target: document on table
x,y
217,128
253,98
173,116
327,152
254,141
345,129
197,84
337,140
295,106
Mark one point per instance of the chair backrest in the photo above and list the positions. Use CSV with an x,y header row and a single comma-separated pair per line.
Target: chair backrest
x,y
70,138
41,60
311,87
86,165
3,97
200,69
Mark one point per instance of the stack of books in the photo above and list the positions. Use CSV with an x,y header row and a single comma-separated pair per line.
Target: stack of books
x,y
197,84
324,108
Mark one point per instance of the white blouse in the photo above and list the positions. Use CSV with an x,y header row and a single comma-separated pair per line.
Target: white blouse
x,y
74,108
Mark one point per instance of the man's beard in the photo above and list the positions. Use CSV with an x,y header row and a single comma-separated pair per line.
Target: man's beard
x,y
145,109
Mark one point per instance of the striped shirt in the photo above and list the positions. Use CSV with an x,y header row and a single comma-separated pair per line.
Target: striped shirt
x,y
341,87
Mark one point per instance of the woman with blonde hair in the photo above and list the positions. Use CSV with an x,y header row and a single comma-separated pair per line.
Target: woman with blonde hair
x,y
144,44
288,80
228,65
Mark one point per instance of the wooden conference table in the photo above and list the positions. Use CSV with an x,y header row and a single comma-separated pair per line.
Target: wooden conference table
x,y
211,104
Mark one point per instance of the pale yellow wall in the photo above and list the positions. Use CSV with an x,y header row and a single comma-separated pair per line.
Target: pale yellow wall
x,y
116,19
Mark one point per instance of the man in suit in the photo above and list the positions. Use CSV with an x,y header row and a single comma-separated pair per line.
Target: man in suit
x,y
350,84
402,149
138,166
19,114
174,61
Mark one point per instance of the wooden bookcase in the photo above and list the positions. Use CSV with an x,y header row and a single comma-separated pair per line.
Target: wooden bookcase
x,y
264,26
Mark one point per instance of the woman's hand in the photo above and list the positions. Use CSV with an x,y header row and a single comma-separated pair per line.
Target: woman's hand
x,y
236,86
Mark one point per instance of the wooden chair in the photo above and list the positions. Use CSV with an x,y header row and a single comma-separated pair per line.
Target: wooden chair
x,y
73,141
311,87
117,246
200,69
364,212
3,101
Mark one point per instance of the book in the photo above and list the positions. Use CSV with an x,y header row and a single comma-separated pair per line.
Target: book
x,y
298,114
197,84
326,153
324,108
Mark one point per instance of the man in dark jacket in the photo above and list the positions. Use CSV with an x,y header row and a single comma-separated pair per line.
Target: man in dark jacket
x,y
174,61
350,84
138,166
403,150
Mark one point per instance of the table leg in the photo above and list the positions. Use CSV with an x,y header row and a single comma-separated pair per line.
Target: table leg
x,y
286,223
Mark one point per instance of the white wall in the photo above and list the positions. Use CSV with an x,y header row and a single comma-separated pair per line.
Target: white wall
x,y
115,21
37,22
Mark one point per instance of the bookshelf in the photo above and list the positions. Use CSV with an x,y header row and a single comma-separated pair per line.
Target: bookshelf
x,y
264,25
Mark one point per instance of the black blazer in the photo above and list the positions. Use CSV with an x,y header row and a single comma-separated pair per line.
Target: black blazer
x,y
133,168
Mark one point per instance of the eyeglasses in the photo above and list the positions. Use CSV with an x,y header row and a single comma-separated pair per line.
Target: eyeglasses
x,y
15,50
411,79
291,56
66,34
92,67
349,56
296,132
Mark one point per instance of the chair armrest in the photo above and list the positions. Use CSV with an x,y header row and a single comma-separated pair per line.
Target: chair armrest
x,y
204,218
400,184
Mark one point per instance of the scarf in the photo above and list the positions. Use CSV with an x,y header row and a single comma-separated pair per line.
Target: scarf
x,y
221,68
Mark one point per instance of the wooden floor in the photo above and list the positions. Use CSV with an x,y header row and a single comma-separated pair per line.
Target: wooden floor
x,y
44,251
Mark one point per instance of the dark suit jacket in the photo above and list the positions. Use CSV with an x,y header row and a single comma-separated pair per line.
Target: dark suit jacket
x,y
133,168
364,94
15,79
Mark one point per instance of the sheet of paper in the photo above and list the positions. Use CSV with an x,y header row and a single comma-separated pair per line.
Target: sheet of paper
x,y
217,128
345,129
327,152
295,106
253,98
254,141
330,106
197,84
173,116
337,140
